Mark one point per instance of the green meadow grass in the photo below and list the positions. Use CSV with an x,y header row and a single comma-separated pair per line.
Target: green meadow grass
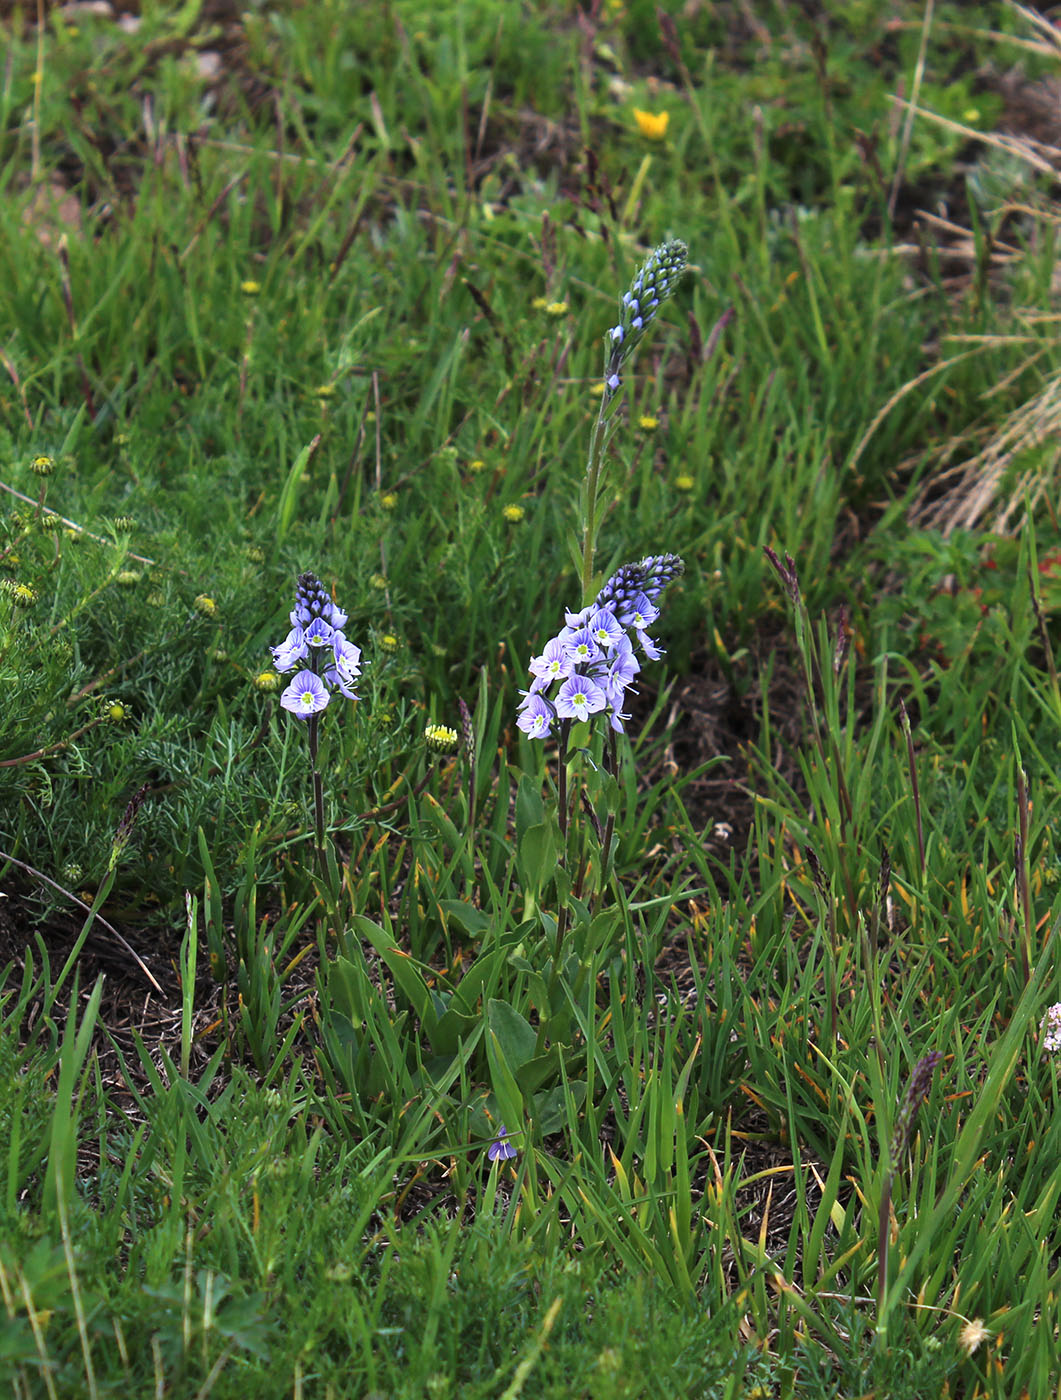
x,y
338,303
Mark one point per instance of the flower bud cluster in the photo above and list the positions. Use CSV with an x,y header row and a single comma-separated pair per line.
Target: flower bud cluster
x,y
656,281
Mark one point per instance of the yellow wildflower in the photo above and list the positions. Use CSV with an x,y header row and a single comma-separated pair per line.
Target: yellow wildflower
x,y
440,737
389,501
556,308
513,514
250,289
205,605
266,681
20,593
652,125
647,423
684,483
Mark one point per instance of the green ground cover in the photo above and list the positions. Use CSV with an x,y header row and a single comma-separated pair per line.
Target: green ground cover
x,y
703,1059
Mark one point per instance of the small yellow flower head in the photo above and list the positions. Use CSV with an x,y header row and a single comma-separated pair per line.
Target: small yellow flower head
x,y
42,466
477,465
325,391
597,390
513,514
652,125
205,605
20,593
72,535
441,738
539,303
684,483
266,681
128,578
389,501
121,439
972,1336
390,643
250,289
115,711
556,308
647,423
50,524
378,582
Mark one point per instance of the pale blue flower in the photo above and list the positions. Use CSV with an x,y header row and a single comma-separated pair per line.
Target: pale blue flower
x,y
580,697
306,696
319,633
605,629
291,650
580,648
552,665
535,716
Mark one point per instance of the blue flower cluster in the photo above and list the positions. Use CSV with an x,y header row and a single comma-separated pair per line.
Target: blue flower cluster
x,y
316,638
655,282
592,659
